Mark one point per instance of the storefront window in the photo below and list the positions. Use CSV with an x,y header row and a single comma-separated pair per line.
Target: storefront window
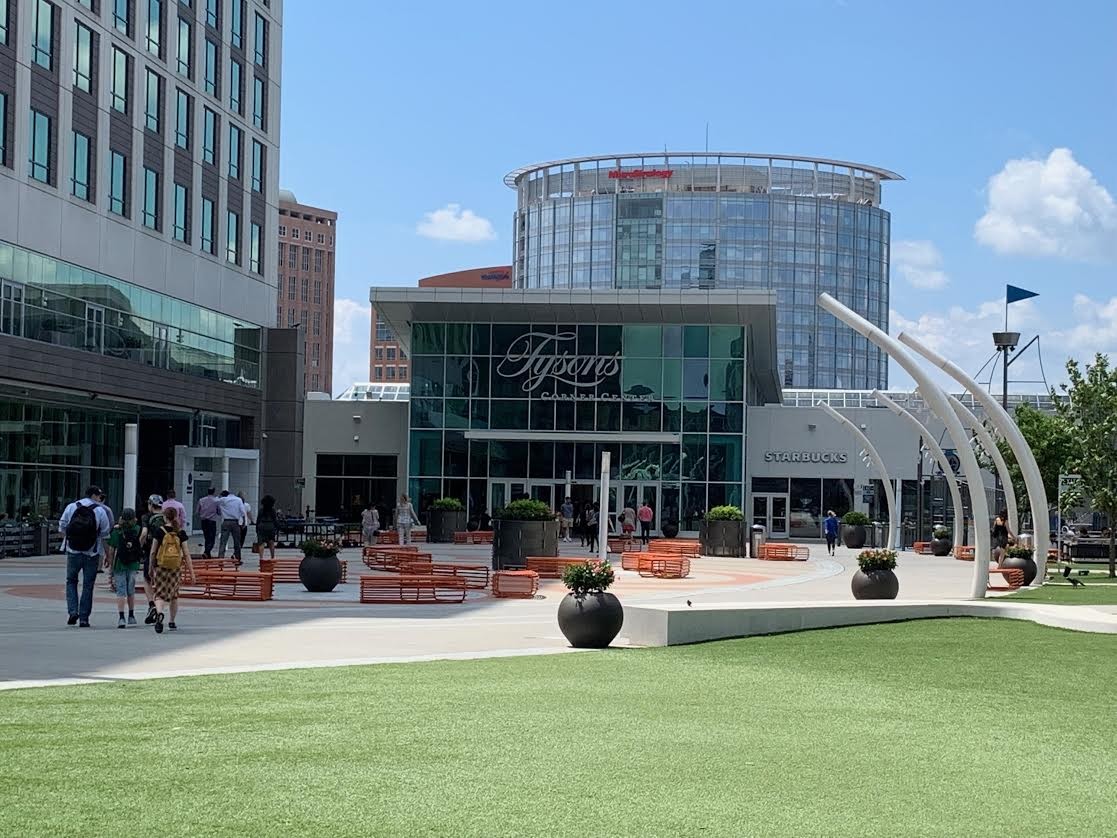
x,y
806,508
837,494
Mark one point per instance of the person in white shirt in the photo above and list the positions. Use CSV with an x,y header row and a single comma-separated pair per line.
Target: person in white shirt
x,y
232,513
247,520
83,548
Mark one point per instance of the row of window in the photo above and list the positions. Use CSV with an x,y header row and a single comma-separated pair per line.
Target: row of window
x,y
392,373
381,352
292,282
295,317
290,256
306,234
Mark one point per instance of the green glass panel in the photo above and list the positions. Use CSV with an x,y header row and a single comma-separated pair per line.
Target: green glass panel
x,y
457,413
459,370
694,504
694,457
727,380
694,417
608,416
640,378
669,463
479,414
696,341
727,342
672,417
564,416
457,339
481,335
508,459
542,415
641,341
641,416
672,379
426,453
478,457
455,455
479,377
727,418
725,457
608,340
427,375
426,413
640,461
508,415
696,378
585,416
428,339
672,341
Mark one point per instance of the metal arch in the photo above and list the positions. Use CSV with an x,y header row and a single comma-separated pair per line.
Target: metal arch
x,y
512,178
889,492
939,456
990,447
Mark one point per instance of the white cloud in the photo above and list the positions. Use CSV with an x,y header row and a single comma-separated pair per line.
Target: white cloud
x,y
1094,329
454,224
1051,207
919,263
352,321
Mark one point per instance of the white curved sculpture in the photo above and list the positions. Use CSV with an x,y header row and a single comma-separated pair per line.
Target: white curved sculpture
x,y
939,456
1037,495
990,447
936,400
889,494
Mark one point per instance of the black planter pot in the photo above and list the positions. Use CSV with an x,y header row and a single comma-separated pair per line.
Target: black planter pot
x,y
670,529
590,621
514,541
1027,565
443,523
853,536
941,546
722,538
319,575
876,584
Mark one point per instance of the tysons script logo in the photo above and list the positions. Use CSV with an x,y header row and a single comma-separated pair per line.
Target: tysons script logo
x,y
551,358
805,457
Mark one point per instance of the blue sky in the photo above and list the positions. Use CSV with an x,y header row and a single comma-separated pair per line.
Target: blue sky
x,y
429,105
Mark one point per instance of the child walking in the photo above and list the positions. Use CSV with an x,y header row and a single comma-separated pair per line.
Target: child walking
x,y
123,560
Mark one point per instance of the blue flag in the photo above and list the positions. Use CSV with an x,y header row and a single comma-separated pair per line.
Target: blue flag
x,y
1015,295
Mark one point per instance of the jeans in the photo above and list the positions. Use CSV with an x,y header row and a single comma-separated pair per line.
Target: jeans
x,y
831,542
230,527
404,533
87,566
209,533
645,531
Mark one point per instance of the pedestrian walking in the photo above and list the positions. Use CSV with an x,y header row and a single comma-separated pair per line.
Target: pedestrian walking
x,y
232,513
591,527
267,525
830,527
170,502
999,537
85,524
247,520
405,519
645,514
169,553
209,513
125,556
628,520
152,521
567,511
370,524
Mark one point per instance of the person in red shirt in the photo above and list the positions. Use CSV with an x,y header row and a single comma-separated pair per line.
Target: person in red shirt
x,y
645,515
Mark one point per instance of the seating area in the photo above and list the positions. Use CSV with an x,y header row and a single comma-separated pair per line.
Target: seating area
x,y
390,558
631,561
515,584
964,553
476,576
287,570
623,544
475,537
412,590
675,547
664,567
783,552
551,567
392,536
228,584
214,564
923,548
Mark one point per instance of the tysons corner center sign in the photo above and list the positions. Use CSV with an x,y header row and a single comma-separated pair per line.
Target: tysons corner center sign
x,y
544,361
805,457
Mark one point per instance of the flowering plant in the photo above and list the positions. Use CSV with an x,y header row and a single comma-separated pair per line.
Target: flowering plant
x,y
587,577
870,560
314,548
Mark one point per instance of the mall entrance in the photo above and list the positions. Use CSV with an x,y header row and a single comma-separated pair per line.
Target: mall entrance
x,y
770,511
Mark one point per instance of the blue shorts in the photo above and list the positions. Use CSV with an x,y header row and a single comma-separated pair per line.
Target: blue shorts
x,y
125,582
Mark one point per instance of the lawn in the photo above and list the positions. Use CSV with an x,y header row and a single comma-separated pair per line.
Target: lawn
x,y
931,728
1099,590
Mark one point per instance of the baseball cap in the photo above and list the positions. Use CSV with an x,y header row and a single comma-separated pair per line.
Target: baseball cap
x,y
155,500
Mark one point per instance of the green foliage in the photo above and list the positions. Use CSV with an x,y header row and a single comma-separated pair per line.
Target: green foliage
x,y
525,510
870,560
941,533
587,577
319,549
1052,442
1018,552
725,513
855,519
1090,413
448,504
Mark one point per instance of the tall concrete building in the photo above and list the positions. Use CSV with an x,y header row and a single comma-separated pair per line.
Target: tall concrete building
x,y
138,181
387,360
307,237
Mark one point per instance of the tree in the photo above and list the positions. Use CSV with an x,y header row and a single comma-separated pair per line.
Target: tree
x,y
1052,443
1090,412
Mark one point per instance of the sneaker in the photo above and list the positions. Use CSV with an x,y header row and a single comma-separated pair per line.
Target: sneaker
x,y
150,618
72,620
172,626
158,623
120,623
83,624
131,619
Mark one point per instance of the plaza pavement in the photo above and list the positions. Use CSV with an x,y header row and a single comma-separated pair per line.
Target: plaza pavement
x,y
300,629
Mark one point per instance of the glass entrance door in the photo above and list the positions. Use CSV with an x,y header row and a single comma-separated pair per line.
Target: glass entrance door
x,y
634,495
503,492
770,511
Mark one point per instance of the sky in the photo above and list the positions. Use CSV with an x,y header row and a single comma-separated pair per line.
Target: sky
x,y
1002,118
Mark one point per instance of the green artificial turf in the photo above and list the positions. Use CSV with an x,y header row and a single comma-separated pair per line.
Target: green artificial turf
x,y
1098,589
956,727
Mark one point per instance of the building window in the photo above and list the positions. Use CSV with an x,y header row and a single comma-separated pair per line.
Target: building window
x,y
378,373
382,331
236,86
290,318
182,214
3,129
293,256
83,57
184,62
259,111
260,43
307,236
321,239
182,120
236,29
283,230
317,323
391,372
391,350
257,166
39,158
155,27
254,247
211,69
234,151
295,233
317,261
152,107
318,291
119,80
118,194
79,183
151,199
379,353
314,381
207,225
403,373
213,14
305,289
232,248
3,21
120,17
209,137
306,258
42,35
290,288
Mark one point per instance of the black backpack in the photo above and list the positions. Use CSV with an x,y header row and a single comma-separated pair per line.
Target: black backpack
x,y
81,531
129,552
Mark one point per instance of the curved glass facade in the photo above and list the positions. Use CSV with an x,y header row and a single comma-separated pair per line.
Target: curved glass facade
x,y
799,227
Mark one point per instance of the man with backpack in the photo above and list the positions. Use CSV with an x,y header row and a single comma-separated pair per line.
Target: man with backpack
x,y
85,523
123,558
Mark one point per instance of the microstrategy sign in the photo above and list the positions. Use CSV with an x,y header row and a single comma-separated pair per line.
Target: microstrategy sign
x,y
635,174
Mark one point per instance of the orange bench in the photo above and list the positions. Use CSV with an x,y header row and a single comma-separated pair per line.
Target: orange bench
x,y
392,536
621,545
287,570
1014,578
475,537
476,576
411,589
964,553
923,548
676,547
773,552
664,567
631,561
515,584
551,567
227,584
391,558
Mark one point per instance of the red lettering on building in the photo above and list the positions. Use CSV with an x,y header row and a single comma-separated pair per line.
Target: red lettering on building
x,y
622,174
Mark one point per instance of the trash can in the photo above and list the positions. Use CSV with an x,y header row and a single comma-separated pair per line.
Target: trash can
x,y
872,537
757,537
1026,540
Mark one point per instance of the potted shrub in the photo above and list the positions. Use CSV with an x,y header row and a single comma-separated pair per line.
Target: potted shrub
x,y
874,578
941,543
853,529
445,517
669,529
523,528
589,616
1021,559
721,533
320,570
